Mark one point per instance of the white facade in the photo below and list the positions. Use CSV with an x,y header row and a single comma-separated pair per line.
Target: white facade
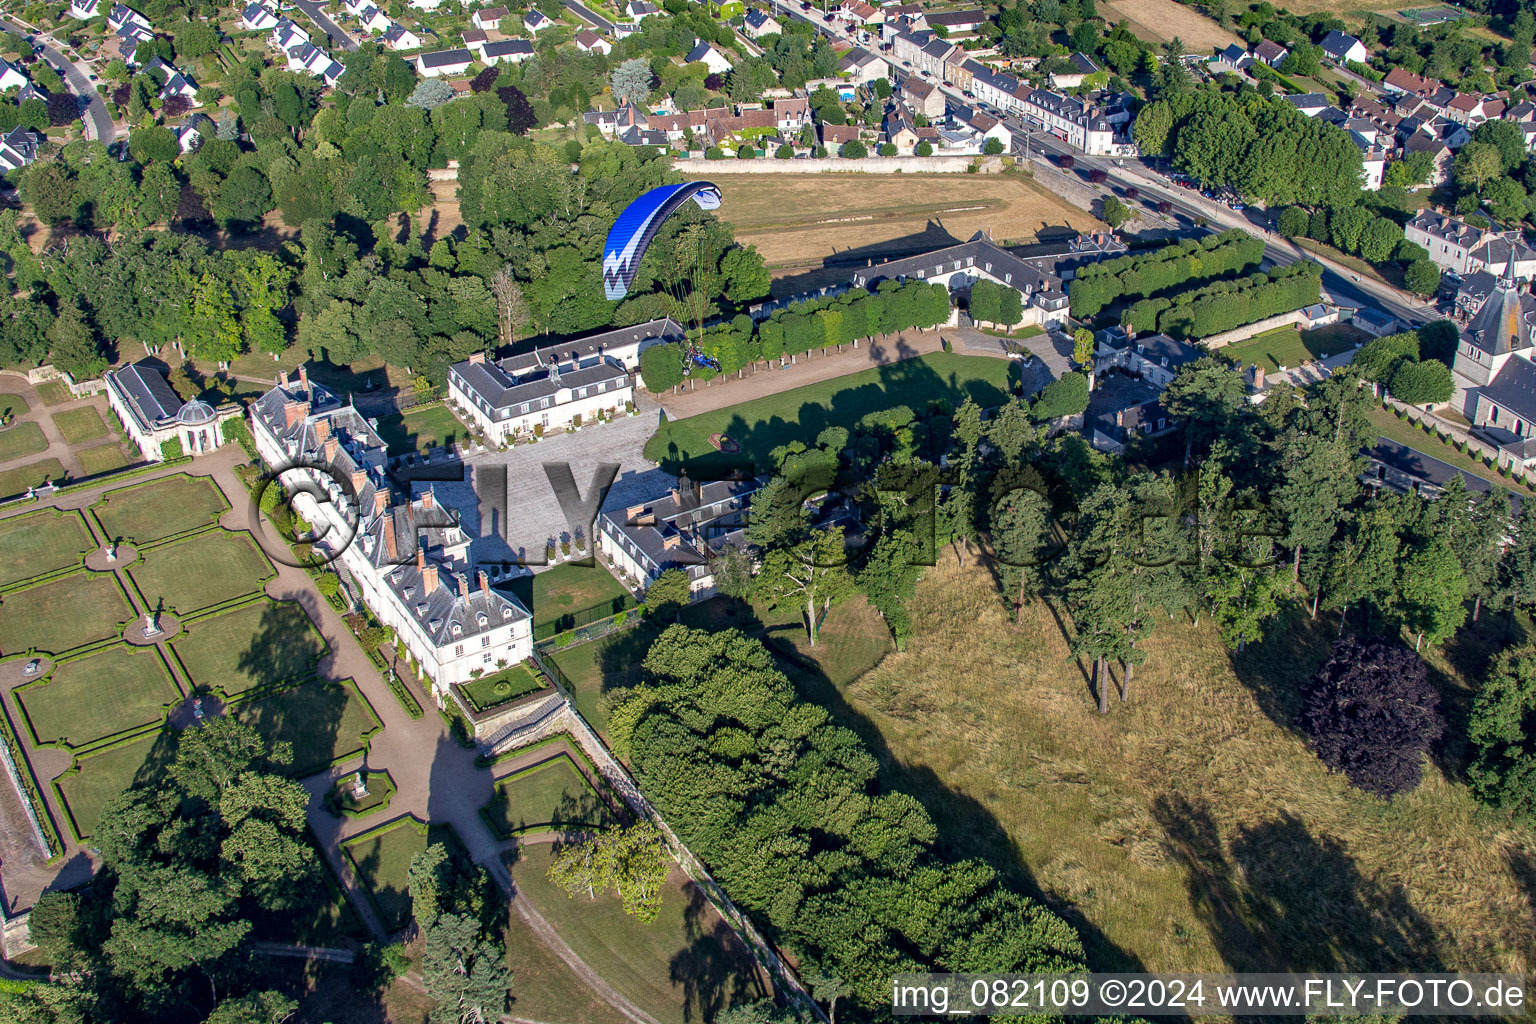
x,y
444,62
84,10
152,414
506,400
11,77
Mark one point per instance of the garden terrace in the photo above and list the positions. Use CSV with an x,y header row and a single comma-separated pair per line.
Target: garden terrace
x,y
85,700
551,795
324,722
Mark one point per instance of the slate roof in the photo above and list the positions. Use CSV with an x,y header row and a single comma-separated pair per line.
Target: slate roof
x,y
150,396
1270,51
673,529
1336,44
1414,463
507,48
1503,324
445,58
979,253
956,19
1515,387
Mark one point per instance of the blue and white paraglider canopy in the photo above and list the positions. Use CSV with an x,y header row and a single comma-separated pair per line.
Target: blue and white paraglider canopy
x,y
632,233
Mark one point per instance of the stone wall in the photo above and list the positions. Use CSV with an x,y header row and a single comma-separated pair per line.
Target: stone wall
x,y
837,165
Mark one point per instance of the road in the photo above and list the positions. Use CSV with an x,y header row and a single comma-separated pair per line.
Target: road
x,y
98,123
591,17
1188,206
337,34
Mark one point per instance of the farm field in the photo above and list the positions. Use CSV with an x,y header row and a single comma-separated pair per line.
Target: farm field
x,y
801,218
763,424
201,571
164,508
1191,828
41,542
62,614
92,698
685,966
1161,20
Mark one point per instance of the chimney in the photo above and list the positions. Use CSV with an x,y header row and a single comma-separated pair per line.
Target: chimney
x,y
1120,418
322,429
671,540
428,580
331,444
464,586
391,546
293,412
421,560
485,583
428,499
477,357
359,478
1258,376
380,500
304,379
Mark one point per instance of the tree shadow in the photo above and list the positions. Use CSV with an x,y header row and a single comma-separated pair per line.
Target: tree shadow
x,y
715,970
1284,900
284,648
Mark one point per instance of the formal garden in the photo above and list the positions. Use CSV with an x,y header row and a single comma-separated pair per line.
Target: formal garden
x,y
92,434
382,859
93,781
152,511
40,544
83,701
549,796
199,572
255,645
504,687
63,614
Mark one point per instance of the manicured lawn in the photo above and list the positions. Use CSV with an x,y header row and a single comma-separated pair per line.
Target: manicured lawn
x,y
104,458
13,405
1290,347
761,425
343,797
423,428
39,543
552,793
33,474
666,967
92,698
63,614
256,645
503,687
323,721
201,571
24,438
383,859
164,508
55,392
566,591
545,989
82,424
103,776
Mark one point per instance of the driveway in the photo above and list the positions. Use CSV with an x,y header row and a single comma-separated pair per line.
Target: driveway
x,y
98,123
337,34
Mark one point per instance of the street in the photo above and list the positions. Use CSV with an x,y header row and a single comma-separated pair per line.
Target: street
x,y
337,34
98,123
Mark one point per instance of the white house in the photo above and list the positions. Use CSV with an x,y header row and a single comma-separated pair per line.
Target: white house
x,y
193,132
444,62
588,41
760,23
510,51
121,14
84,10
1344,48
17,149
862,67
398,37
683,528
407,560
426,5
310,58
520,396
640,9
286,35
153,414
1082,66
374,21
706,54
1466,249
258,18
179,84
12,77
356,7
488,18
536,21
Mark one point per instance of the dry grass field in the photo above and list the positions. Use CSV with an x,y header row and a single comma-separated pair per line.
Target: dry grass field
x,y
800,219
1191,828
1155,20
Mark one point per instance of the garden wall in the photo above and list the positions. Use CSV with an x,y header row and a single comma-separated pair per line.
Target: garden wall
x,y
1247,331
838,165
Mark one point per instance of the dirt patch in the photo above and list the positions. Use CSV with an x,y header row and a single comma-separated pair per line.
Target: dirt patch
x,y
442,218
797,220
1164,19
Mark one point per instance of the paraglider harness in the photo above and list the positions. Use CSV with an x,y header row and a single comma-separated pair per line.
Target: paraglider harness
x,y
693,357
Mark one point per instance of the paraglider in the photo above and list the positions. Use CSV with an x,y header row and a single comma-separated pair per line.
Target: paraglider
x,y
632,233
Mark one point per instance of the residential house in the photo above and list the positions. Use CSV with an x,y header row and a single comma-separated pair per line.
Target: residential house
x,y
1270,53
923,97
12,77
834,135
1082,66
1465,249
193,132
1309,103
473,39
984,125
859,13
444,62
1371,141
489,18
1400,81
638,10
510,51
957,71
706,54
1470,292
863,67
398,37
286,35
1374,322
1471,109
121,14
536,21
901,128
258,18
179,84
1155,358
1442,155
957,22
1232,58
374,21
407,558
426,5
760,23
684,527
524,395
588,41
790,115
153,414
1122,408
18,147
1344,48
1068,119
83,10
310,58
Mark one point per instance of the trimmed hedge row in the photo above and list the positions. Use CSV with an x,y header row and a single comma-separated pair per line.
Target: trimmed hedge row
x,y
29,783
1098,284
1227,304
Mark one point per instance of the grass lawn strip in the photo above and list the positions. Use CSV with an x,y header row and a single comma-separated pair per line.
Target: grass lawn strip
x,y
763,424
92,782
62,614
660,966
201,571
152,511
25,438
33,474
80,425
40,543
104,458
88,699
553,793
1290,347
502,688
260,644
324,722
55,392
382,860
569,590
430,427
13,405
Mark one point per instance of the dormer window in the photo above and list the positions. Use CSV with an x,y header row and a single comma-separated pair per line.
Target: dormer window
x,y
481,618
457,629
421,610
506,612
409,592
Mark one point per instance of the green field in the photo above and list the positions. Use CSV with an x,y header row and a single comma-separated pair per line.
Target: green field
x,y
551,793
257,645
763,424
202,571
1290,347
325,722
103,776
33,474
25,438
41,542
561,594
164,508
80,425
382,860
62,614
103,458
89,699
502,688
683,967
424,428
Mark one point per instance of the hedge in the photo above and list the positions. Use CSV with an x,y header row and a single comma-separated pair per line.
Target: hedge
x,y
1228,304
29,783
1098,284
